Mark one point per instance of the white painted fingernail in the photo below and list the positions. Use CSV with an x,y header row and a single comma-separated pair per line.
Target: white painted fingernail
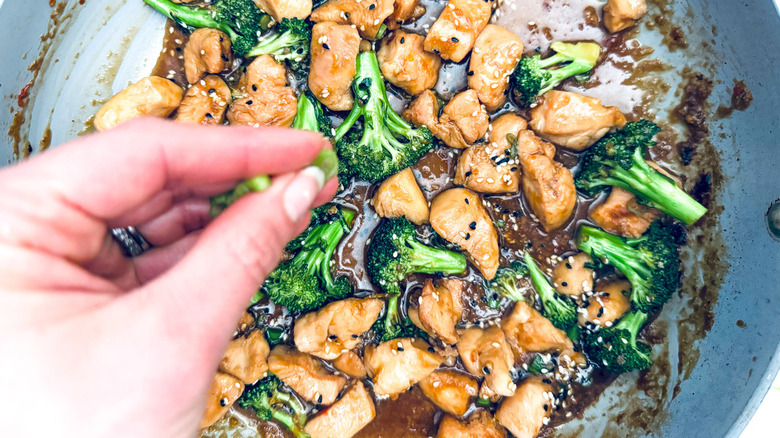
x,y
300,194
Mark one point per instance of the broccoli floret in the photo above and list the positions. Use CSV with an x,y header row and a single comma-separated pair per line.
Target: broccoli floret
x,y
535,76
384,143
561,311
310,116
304,282
393,326
289,43
651,262
270,401
395,252
540,365
242,20
505,285
220,202
618,160
617,349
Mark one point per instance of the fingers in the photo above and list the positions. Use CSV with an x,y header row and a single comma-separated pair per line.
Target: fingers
x,y
180,220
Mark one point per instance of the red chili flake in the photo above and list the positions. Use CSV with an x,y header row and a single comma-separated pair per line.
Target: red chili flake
x,y
23,95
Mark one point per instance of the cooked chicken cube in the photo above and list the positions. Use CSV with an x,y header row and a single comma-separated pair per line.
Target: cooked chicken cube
x,y
504,125
264,72
621,214
346,417
450,390
286,8
207,51
205,102
496,54
465,111
334,50
350,364
441,308
151,96
398,364
224,391
487,169
406,65
267,100
453,34
571,277
246,357
608,304
572,120
405,11
525,412
336,327
548,186
622,14
246,323
305,374
527,330
459,216
485,352
480,425
367,16
400,196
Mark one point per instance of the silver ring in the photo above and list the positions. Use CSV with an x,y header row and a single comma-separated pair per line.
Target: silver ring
x,y
132,243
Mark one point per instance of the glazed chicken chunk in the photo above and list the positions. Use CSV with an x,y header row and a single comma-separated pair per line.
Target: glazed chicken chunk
x,y
398,364
400,196
404,12
367,16
548,186
224,391
525,412
305,374
207,51
495,56
450,390
406,65
572,120
621,214
151,96
350,364
527,330
479,425
571,277
465,111
486,353
441,308
463,117
608,304
246,357
346,417
330,331
205,102
266,98
334,50
459,216
622,14
286,8
453,34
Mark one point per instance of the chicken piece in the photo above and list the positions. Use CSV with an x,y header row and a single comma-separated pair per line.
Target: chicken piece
x,y
205,102
404,12
245,324
406,65
486,169
480,425
503,125
525,412
527,330
441,308
485,352
367,16
400,196
496,54
267,100
346,417
572,120
453,34
224,391
334,51
306,375
151,96
608,304
424,111
622,14
548,186
571,277
285,8
459,216
398,364
246,357
350,364
621,214
465,111
450,390
336,327
207,51
263,72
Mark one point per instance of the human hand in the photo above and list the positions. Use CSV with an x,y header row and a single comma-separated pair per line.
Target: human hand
x,y
96,344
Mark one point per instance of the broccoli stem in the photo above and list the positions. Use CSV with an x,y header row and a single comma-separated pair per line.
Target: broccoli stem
x,y
543,287
555,308
188,16
392,318
369,86
427,260
322,243
273,45
306,115
632,322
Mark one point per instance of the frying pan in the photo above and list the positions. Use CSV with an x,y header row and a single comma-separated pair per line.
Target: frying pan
x,y
723,330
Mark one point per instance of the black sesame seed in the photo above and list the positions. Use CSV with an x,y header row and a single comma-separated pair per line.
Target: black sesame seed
x,y
513,169
209,116
564,284
249,102
354,336
468,174
473,225
211,90
326,46
224,58
400,348
436,51
467,199
547,381
372,7
546,408
178,49
468,236
254,87
455,40
223,401
332,337
431,349
568,265
319,399
486,370
470,73
403,40
601,312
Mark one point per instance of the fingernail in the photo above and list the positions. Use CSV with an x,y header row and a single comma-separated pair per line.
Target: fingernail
x,y
300,194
